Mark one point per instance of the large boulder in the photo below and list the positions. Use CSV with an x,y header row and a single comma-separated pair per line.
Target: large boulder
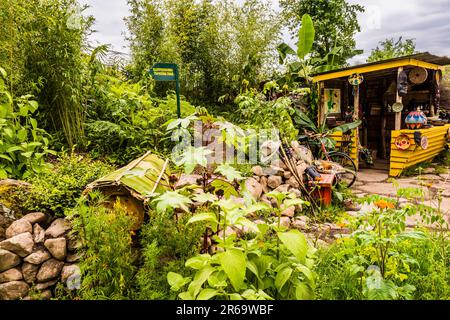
x,y
13,290
38,233
8,260
21,244
29,272
38,257
18,227
57,247
57,228
257,171
70,270
274,181
5,222
282,188
289,212
13,274
254,187
35,217
45,285
49,270
187,180
73,257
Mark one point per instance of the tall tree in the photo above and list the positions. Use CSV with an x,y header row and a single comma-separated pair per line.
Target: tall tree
x,y
392,49
335,22
145,32
42,46
216,43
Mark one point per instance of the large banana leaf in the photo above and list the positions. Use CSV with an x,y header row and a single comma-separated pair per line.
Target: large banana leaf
x,y
284,50
305,122
306,36
346,127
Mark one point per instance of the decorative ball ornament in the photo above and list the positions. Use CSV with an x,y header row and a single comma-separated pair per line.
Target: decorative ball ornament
x,y
415,119
402,142
418,75
397,107
356,79
424,143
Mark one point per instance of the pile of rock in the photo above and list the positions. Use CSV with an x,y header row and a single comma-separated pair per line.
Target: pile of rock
x,y
36,256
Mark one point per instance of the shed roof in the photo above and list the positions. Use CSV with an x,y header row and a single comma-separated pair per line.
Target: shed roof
x,y
424,59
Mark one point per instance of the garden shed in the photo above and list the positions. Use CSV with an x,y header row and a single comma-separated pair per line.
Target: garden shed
x,y
398,101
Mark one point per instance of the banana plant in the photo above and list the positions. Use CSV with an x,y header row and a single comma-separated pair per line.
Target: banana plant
x,y
322,129
306,64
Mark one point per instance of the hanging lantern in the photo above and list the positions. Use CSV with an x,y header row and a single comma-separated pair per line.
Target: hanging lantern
x,y
415,119
356,79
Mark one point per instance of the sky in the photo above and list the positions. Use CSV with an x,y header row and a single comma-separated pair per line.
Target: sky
x,y
426,21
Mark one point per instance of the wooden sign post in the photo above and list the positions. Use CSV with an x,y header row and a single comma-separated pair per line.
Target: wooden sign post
x,y
168,72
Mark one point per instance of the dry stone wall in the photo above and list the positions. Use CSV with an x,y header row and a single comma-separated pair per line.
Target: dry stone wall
x,y
35,255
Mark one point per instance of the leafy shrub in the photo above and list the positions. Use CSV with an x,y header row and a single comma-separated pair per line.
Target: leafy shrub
x,y
431,275
167,244
270,263
124,121
383,260
107,263
23,146
57,188
255,110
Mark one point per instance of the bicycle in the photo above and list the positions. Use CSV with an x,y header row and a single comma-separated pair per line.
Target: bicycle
x,y
346,172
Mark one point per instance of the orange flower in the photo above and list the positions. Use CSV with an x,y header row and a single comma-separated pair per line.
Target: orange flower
x,y
383,204
341,225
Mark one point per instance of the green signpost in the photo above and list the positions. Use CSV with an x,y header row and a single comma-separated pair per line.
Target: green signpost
x,y
168,72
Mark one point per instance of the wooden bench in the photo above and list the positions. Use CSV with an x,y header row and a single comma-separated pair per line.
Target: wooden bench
x,y
323,188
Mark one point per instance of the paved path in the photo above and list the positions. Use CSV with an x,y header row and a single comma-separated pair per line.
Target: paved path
x,y
376,182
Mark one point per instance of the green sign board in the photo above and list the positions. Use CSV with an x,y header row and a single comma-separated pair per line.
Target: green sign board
x,y
168,72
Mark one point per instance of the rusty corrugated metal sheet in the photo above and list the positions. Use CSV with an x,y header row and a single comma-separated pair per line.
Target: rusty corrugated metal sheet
x,y
139,177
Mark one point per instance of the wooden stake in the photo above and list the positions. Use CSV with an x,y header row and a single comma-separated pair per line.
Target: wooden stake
x,y
321,110
399,99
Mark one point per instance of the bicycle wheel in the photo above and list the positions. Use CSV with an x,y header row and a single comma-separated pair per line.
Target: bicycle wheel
x,y
343,159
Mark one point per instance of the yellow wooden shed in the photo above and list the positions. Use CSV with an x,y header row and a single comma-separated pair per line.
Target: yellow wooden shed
x,y
383,94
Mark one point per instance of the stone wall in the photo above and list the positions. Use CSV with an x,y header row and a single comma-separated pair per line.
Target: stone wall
x,y
35,255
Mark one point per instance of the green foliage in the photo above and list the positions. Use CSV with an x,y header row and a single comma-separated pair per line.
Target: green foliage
x,y
248,269
256,111
23,146
335,23
167,241
217,44
392,49
124,121
107,264
43,52
306,64
383,260
306,36
58,188
322,131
